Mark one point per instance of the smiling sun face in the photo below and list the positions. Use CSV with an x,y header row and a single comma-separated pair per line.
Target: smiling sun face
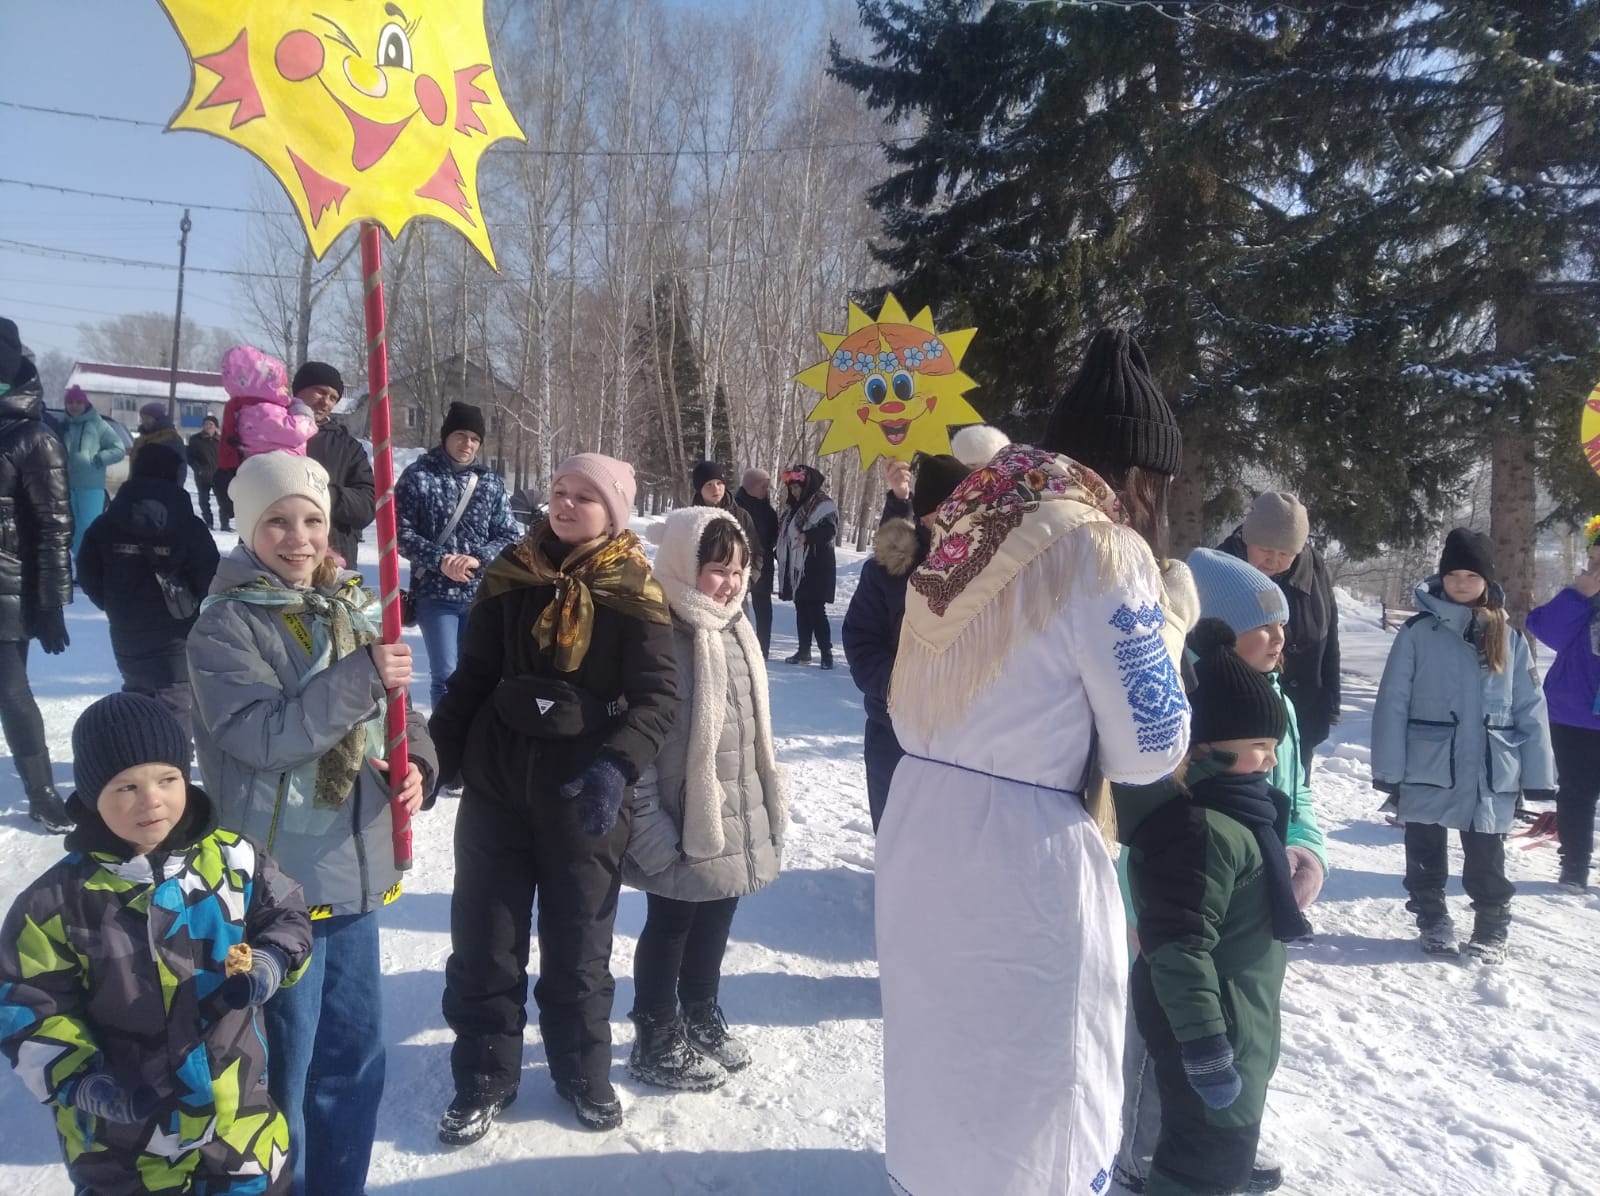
x,y
892,386
364,110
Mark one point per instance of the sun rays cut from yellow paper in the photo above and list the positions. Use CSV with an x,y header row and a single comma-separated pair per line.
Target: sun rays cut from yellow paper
x,y
374,110
891,386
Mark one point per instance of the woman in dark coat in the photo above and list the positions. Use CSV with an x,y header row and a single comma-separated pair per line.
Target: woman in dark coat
x,y
35,568
563,695
807,568
1274,538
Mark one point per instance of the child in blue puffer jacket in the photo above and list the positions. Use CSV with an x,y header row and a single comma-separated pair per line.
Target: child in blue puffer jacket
x,y
1458,731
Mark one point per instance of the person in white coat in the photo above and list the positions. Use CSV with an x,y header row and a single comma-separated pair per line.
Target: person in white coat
x,y
1038,655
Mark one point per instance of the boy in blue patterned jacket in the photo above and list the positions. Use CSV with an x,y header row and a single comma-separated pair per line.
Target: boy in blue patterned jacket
x,y
132,970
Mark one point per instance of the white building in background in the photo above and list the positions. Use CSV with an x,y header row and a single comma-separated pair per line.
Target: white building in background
x,y
118,391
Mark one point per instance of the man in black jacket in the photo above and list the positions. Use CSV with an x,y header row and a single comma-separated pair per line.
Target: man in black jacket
x,y
35,568
1274,537
753,498
202,454
151,529
320,387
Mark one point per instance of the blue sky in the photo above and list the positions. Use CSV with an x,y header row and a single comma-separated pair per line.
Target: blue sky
x,y
117,57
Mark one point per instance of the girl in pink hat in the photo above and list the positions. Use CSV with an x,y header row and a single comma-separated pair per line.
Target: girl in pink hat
x,y
267,418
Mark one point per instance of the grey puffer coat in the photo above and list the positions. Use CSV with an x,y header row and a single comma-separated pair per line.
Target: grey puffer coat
x,y
258,717
752,845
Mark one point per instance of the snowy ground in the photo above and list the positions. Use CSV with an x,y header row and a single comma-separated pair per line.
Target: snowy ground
x,y
1398,1074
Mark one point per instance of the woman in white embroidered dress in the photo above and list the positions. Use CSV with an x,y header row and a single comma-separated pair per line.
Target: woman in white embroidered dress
x,y
1037,654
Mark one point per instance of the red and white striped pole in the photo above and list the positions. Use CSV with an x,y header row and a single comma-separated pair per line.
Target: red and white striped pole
x,y
388,550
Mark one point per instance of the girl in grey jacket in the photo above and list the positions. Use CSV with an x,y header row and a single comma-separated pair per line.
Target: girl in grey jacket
x,y
709,815
290,681
1458,731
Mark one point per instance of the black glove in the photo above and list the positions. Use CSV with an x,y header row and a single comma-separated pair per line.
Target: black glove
x,y
50,629
1208,1064
598,791
255,987
99,1095
1540,795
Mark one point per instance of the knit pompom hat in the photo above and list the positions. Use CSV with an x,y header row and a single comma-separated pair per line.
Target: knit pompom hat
x,y
614,479
1231,700
123,730
1112,417
1236,591
1468,550
1277,520
248,373
265,478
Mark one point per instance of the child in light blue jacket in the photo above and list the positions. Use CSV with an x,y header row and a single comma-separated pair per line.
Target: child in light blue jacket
x,y
1458,731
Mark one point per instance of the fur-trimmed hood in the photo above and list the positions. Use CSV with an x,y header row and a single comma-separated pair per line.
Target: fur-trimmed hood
x,y
900,546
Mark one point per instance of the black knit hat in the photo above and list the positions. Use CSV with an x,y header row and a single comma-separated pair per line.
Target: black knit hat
x,y
317,373
708,471
1232,700
10,350
937,477
157,460
1112,416
121,731
1470,550
463,417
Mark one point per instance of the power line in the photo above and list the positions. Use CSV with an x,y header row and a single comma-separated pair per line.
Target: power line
x,y
520,149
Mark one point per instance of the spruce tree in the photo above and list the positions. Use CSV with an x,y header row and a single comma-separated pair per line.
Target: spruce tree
x,y
1188,171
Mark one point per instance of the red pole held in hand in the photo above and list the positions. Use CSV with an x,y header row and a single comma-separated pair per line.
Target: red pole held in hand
x,y
388,551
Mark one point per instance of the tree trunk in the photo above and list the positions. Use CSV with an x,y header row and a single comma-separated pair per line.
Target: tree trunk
x,y
1513,492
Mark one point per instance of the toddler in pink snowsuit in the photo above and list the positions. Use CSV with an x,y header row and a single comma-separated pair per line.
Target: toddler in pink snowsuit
x,y
267,417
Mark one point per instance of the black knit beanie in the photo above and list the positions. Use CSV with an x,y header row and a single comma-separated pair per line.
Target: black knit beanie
x,y
1112,416
157,460
10,350
1470,550
1231,700
462,417
708,471
123,730
317,373
937,478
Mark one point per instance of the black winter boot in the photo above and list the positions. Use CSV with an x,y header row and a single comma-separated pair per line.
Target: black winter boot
x,y
798,658
596,1110
827,660
44,804
469,1118
662,1056
707,1032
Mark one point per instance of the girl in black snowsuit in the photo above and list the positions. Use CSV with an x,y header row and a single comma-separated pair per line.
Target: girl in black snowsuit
x,y
564,692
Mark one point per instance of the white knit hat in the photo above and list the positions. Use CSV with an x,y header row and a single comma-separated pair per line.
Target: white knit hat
x,y
265,478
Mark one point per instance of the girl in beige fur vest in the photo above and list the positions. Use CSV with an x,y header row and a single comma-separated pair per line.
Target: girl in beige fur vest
x,y
709,816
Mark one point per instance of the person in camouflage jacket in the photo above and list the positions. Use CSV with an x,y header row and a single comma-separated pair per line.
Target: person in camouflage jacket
x,y
117,1008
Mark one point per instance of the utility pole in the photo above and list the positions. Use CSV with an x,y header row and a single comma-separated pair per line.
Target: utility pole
x,y
177,320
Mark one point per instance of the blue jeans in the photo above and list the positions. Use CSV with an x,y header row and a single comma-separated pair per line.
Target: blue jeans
x,y
444,627
325,1061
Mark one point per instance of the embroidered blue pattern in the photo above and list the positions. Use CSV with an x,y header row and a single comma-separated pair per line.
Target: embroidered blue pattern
x,y
1148,615
1154,689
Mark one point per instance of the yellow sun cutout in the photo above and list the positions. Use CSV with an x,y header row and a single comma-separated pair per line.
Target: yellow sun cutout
x,y
892,386
363,110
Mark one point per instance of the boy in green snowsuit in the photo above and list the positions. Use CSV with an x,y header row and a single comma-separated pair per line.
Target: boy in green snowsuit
x,y
1213,895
